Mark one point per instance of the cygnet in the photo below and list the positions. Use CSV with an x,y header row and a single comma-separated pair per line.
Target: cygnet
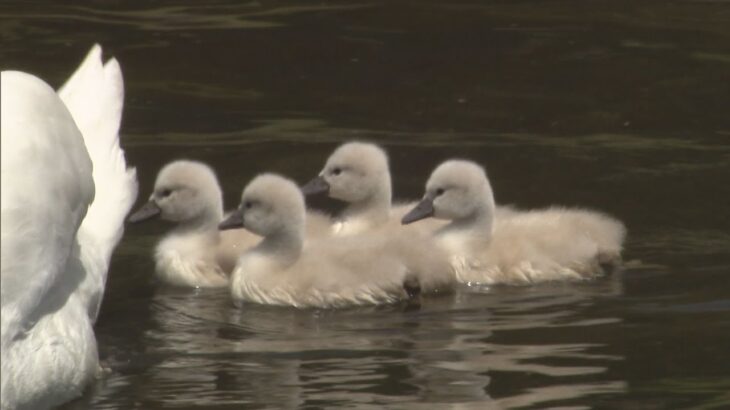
x,y
358,173
195,253
516,247
331,271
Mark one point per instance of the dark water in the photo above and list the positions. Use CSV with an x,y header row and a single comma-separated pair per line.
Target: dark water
x,y
618,105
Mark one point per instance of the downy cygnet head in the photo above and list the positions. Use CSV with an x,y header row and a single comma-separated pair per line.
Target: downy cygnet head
x,y
355,172
457,190
270,204
186,192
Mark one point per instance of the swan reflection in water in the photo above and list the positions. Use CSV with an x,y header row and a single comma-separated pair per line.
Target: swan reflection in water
x,y
499,347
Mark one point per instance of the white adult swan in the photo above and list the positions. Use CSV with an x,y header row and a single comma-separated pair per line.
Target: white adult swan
x,y
358,173
65,192
517,247
330,272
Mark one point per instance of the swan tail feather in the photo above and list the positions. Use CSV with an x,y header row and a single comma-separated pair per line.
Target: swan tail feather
x,y
94,94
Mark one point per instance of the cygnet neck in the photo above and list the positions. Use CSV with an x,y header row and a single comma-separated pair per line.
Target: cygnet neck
x,y
479,223
205,223
375,207
284,244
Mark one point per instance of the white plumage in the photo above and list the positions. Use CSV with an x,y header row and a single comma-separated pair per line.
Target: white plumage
x,y
503,245
329,272
65,192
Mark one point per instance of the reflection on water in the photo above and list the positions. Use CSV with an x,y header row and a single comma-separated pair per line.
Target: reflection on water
x,y
199,348
619,106
180,18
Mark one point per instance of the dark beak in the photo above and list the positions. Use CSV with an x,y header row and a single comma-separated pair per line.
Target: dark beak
x,y
147,211
315,186
234,221
424,209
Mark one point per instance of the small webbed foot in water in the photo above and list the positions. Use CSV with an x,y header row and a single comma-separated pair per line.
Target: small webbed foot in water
x,y
412,287
609,262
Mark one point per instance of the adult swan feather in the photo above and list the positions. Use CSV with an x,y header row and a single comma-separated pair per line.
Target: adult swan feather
x,y
65,192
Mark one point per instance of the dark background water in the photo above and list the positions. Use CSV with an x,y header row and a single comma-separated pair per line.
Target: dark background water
x,y
617,105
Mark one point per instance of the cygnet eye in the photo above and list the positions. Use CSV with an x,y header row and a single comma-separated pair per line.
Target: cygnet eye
x,y
165,193
337,171
439,191
249,204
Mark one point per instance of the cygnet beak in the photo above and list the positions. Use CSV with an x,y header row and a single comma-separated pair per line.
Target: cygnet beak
x,y
315,186
147,211
423,210
234,221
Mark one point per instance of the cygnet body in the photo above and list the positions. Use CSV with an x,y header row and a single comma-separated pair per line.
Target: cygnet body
x,y
329,272
195,253
518,246
358,173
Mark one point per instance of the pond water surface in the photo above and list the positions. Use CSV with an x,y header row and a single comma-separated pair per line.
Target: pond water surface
x,y
622,106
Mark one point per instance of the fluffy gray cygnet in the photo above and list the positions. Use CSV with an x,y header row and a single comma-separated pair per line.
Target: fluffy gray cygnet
x,y
517,246
358,173
330,271
195,253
